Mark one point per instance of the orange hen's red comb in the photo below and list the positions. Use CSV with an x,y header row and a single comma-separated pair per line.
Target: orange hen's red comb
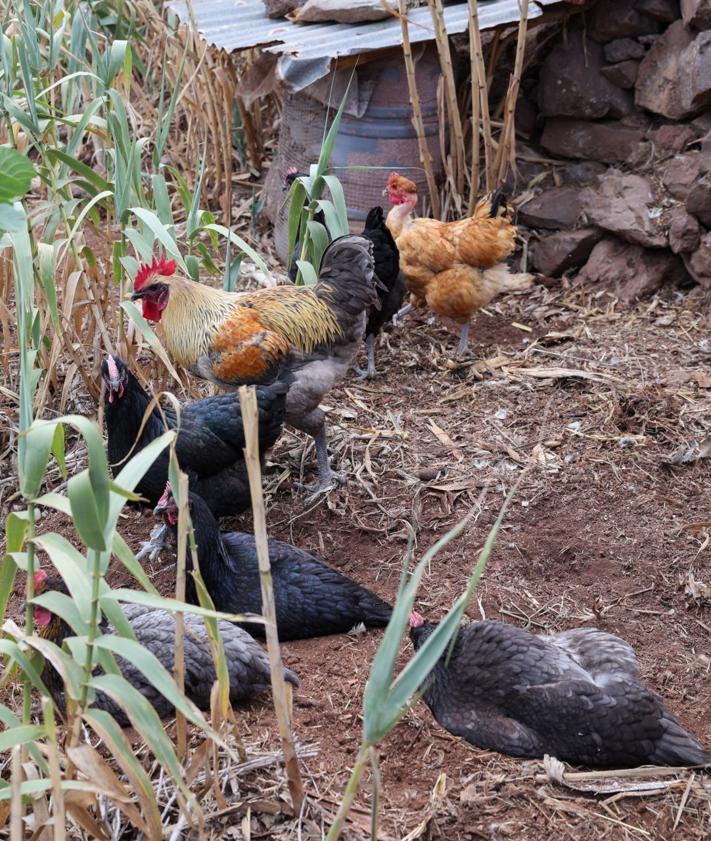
x,y
159,267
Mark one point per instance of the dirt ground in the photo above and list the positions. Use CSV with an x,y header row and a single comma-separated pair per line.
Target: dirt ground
x,y
611,527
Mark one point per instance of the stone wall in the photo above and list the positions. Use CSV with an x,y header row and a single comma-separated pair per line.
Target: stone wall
x,y
622,104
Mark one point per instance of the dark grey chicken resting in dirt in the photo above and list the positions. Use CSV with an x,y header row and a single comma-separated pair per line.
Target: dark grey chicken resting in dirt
x,y
247,661
576,695
311,599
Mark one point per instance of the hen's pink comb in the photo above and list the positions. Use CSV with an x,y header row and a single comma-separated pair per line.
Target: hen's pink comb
x,y
159,267
40,577
113,368
416,620
167,493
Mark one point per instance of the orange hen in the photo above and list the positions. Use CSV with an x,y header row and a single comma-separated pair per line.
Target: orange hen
x,y
455,267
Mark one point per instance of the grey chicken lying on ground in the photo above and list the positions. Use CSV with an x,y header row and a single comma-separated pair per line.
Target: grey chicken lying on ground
x,y
575,695
247,662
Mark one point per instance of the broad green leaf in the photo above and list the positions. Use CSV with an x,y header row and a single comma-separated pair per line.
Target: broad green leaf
x,y
163,603
67,608
33,462
156,674
145,329
339,201
13,651
9,719
162,233
20,735
145,721
308,273
47,268
124,554
241,244
56,501
122,751
85,512
319,243
16,174
12,217
135,468
71,565
101,184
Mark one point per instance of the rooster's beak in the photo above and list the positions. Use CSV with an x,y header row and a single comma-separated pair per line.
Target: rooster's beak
x,y
160,507
136,295
385,192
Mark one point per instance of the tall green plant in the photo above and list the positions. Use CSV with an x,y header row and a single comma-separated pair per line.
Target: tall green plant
x,y
387,698
305,197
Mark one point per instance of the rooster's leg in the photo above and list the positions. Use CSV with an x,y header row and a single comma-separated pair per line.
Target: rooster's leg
x,y
401,312
372,371
464,338
327,479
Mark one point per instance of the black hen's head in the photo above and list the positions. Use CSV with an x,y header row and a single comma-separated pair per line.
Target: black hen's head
x,y
420,629
292,173
200,514
115,374
375,218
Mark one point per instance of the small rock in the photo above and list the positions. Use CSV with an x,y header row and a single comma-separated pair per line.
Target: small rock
x,y
555,208
281,8
665,11
571,84
698,201
629,271
623,49
683,171
621,204
611,19
609,142
622,75
684,232
672,138
581,173
696,13
674,78
563,250
699,263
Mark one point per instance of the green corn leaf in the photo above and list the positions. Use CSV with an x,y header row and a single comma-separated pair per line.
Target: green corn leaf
x,y
20,735
333,223
124,554
319,238
308,273
122,751
101,184
339,201
162,234
117,57
297,196
12,217
33,462
162,200
16,174
143,246
15,654
145,721
241,244
163,603
156,674
85,512
71,565
9,719
56,501
330,139
135,468
47,268
67,608
145,329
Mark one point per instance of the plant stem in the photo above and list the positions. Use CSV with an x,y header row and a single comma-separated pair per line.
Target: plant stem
x,y
29,593
375,796
94,618
349,794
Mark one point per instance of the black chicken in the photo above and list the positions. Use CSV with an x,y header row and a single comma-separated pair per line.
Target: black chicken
x,y
576,695
386,258
210,443
311,599
393,286
247,662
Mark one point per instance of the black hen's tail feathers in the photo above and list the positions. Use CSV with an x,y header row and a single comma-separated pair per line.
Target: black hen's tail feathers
x,y
347,281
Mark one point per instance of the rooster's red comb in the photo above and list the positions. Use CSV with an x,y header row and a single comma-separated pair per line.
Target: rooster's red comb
x,y
159,266
39,577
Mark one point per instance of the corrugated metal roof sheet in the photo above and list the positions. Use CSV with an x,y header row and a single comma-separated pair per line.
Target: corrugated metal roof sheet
x,y
239,24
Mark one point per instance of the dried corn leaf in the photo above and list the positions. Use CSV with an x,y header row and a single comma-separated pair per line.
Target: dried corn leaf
x,y
443,438
609,782
566,373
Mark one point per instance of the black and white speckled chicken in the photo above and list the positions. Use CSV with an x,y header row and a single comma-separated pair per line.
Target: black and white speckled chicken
x,y
311,599
247,661
576,695
210,443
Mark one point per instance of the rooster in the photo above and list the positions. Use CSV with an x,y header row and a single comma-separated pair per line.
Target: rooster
x,y
576,695
311,599
455,267
232,338
247,662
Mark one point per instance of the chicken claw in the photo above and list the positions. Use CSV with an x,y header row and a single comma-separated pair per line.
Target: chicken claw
x,y
158,541
327,479
371,372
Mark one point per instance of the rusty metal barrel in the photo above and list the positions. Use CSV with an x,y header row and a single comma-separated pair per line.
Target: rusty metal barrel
x,y
383,137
